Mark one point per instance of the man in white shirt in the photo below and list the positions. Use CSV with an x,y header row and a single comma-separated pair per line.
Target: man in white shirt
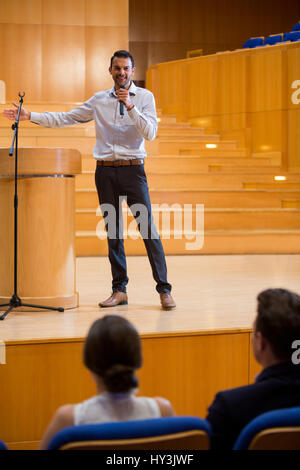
x,y
124,116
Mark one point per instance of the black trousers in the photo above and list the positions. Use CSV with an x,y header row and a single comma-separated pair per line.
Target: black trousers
x,y
130,182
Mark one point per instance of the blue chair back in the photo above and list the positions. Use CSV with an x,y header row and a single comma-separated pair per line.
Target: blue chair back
x,y
254,42
274,430
273,39
3,446
176,432
291,36
296,27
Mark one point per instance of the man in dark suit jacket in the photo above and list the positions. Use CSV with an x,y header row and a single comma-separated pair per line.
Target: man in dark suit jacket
x,y
275,329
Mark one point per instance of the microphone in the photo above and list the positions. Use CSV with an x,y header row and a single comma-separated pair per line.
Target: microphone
x,y
122,104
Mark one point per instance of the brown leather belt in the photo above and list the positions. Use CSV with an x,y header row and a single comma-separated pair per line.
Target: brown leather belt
x,y
135,161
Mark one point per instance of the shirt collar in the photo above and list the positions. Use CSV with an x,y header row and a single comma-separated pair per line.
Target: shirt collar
x,y
132,90
277,370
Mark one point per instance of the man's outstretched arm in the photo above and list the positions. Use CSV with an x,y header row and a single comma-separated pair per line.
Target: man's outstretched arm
x,y
83,113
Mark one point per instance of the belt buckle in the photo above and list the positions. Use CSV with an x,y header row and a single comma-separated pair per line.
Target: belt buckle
x,y
116,163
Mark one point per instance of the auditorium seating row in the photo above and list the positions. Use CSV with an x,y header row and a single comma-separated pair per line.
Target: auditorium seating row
x,y
261,41
273,430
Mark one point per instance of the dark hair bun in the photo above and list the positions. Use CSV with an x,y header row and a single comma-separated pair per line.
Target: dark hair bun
x,y
112,350
120,378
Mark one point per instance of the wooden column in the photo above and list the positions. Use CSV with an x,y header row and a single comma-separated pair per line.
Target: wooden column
x,y
46,232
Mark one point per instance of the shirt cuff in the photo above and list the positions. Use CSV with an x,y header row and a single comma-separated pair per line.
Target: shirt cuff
x,y
134,114
35,117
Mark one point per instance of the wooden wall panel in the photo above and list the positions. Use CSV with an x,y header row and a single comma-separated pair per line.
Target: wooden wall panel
x,y
293,119
172,85
232,122
39,378
63,71
202,87
63,12
138,22
21,60
157,52
59,50
293,76
176,26
21,11
254,367
107,13
267,79
232,77
101,43
293,105
267,131
190,370
252,96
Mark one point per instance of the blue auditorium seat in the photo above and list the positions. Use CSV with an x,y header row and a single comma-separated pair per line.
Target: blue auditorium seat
x,y
273,39
291,36
254,42
273,430
176,432
3,446
296,27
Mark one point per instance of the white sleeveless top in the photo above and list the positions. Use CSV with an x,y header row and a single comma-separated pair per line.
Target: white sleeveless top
x,y
109,407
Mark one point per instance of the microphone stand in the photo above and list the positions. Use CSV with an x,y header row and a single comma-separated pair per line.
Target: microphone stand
x,y
15,300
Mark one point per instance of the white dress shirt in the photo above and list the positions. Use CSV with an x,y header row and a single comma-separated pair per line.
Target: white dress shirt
x,y
117,137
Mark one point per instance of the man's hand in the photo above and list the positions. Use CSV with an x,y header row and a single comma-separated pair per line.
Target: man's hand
x,y
12,113
123,95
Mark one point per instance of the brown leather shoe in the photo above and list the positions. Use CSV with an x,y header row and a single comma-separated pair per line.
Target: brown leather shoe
x,y
116,298
167,301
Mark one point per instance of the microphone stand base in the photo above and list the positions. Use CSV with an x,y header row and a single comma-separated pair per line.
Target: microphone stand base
x,y
16,302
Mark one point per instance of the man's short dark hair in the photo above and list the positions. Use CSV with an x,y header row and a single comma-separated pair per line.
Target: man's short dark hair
x,y
278,320
122,54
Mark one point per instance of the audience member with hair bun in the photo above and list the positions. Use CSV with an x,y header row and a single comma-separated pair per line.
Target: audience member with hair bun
x,y
112,353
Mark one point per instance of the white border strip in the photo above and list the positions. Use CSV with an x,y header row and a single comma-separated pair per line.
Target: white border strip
x,y
2,352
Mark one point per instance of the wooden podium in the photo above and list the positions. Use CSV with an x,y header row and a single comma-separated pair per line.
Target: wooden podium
x,y
46,226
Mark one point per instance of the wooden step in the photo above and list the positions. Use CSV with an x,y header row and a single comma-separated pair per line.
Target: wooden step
x,y
272,185
79,130
217,152
165,131
181,138
211,198
175,131
214,242
204,180
166,118
161,147
42,106
246,168
209,159
214,219
175,125
290,203
85,145
190,147
83,139
214,198
196,164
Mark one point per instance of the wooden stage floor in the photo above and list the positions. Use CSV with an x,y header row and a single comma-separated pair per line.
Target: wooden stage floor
x,y
189,354
213,293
